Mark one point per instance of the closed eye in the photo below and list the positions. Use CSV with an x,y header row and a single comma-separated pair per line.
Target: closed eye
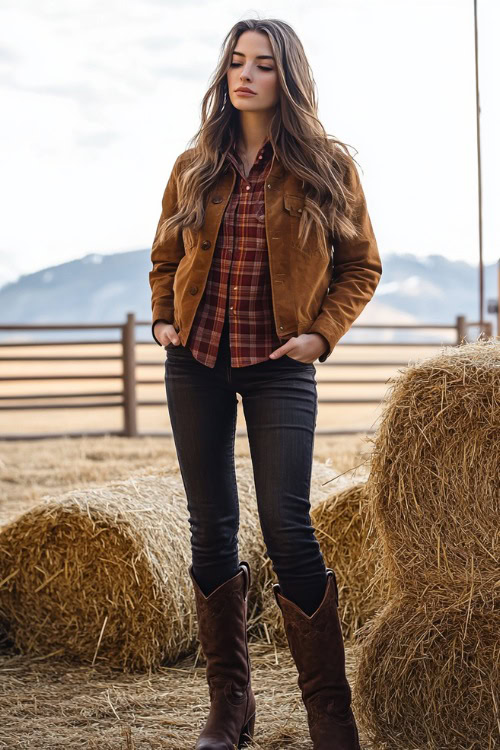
x,y
237,65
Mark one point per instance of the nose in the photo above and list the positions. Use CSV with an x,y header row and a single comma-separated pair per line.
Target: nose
x,y
244,75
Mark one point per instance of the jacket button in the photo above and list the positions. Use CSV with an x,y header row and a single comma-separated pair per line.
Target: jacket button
x,y
217,199
281,328
205,244
193,290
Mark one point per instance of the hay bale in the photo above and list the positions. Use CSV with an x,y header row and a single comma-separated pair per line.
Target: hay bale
x,y
429,661
435,468
428,679
349,546
101,574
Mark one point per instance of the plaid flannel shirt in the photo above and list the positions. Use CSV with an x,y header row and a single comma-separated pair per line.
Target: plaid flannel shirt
x,y
238,283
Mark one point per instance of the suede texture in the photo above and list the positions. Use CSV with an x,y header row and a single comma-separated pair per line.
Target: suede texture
x,y
317,647
320,289
222,632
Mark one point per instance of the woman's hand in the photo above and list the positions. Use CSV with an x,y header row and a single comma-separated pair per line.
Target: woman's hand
x,y
305,348
166,333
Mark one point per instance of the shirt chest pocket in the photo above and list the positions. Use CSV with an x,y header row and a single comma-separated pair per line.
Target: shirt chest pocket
x,y
260,212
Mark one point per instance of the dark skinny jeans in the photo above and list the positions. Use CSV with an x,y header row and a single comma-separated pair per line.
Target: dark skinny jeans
x,y
280,406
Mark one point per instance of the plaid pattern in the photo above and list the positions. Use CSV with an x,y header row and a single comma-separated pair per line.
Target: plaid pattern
x,y
238,280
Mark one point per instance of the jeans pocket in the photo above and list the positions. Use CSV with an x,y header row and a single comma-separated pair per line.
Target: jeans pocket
x,y
291,359
175,347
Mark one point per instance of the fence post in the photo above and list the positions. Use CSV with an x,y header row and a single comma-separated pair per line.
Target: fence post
x,y
129,386
461,328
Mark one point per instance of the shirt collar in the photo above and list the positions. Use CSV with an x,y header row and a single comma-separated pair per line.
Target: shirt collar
x,y
266,151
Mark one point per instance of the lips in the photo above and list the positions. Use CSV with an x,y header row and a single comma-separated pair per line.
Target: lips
x,y
244,90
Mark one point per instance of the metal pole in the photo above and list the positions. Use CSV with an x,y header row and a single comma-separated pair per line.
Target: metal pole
x,y
480,207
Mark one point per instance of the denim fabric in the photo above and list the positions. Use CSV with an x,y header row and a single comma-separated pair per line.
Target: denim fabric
x,y
279,400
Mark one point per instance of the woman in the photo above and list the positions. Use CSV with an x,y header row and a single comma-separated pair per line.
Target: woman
x,y
246,296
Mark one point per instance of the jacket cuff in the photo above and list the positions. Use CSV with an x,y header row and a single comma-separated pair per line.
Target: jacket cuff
x,y
332,335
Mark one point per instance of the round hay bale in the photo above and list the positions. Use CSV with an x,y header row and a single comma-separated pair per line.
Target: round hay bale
x,y
435,470
349,546
428,678
101,574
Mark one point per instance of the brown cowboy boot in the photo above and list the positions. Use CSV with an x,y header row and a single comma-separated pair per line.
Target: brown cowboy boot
x,y
317,648
222,632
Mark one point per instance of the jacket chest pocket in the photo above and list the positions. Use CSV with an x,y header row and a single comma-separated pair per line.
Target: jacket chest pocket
x,y
293,209
293,204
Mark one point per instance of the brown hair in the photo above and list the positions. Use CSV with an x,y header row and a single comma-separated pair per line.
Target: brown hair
x,y
320,161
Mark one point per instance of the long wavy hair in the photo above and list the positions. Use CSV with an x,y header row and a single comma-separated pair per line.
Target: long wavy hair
x,y
321,162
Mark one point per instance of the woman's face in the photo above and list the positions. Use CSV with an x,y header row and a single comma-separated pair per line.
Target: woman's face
x,y
253,66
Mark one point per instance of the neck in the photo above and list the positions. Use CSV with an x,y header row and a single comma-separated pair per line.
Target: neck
x,y
253,131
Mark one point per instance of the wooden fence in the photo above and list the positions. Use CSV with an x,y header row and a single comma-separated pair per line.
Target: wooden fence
x,y
128,400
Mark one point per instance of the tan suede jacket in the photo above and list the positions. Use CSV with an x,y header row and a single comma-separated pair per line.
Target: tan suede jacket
x,y
314,290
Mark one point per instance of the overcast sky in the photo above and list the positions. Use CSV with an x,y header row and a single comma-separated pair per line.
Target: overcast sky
x,y
100,96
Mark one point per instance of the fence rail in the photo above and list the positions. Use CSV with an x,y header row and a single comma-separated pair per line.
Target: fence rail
x,y
127,396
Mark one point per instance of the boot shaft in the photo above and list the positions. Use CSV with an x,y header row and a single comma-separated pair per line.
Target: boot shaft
x,y
222,628
317,646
